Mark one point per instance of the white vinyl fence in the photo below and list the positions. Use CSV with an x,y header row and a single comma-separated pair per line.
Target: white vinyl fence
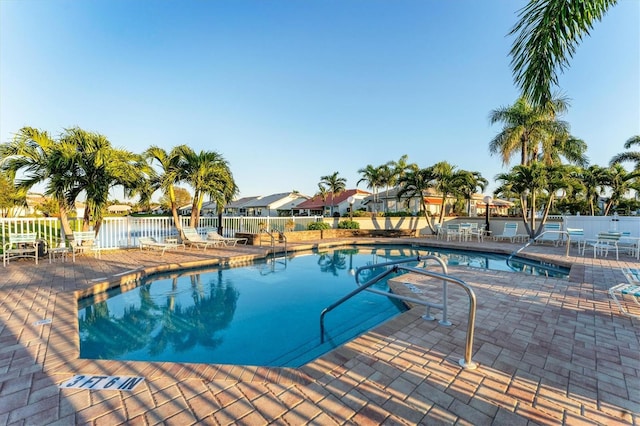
x,y
122,232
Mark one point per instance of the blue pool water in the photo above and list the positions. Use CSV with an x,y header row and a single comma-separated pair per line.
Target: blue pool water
x,y
266,314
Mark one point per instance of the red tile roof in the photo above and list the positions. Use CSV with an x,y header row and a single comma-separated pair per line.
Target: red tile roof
x,y
316,202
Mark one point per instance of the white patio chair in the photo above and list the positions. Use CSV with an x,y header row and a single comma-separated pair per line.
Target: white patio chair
x,y
453,231
630,244
606,241
576,236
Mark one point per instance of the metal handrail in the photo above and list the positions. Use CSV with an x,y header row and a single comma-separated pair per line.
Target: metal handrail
x,y
466,362
533,240
427,316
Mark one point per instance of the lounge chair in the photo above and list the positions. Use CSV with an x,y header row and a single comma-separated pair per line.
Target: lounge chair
x,y
551,233
191,238
227,241
510,232
624,295
152,244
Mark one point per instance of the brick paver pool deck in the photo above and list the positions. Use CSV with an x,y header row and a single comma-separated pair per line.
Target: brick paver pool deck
x,y
550,351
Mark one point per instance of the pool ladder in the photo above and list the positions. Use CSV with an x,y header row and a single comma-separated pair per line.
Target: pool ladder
x,y
274,261
396,267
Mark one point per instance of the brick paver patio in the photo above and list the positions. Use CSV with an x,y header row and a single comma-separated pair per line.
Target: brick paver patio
x,y
550,351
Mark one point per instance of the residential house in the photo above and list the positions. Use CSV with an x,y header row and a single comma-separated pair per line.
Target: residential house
x,y
119,208
208,209
281,204
387,201
338,205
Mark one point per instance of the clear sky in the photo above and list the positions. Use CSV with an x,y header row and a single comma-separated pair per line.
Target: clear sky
x,y
288,91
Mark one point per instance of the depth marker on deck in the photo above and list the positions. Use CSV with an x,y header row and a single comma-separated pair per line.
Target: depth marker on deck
x,y
117,383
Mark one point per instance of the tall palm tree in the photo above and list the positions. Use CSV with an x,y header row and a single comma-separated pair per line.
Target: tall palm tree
x,y
371,175
334,184
172,166
633,156
414,184
529,131
41,159
208,173
548,34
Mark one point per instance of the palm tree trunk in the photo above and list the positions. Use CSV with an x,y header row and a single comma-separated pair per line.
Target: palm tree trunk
x,y
444,199
64,222
426,215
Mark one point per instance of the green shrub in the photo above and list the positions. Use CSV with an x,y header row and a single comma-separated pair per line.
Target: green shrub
x,y
348,224
398,214
318,226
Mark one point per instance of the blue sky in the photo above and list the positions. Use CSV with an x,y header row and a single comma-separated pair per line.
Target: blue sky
x,y
289,91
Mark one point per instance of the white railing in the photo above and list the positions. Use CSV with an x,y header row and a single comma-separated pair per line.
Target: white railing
x,y
122,232
47,228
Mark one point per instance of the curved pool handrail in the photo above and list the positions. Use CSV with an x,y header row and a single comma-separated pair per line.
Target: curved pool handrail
x,y
395,267
533,240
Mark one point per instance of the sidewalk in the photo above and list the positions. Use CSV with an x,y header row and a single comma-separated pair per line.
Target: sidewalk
x,y
550,351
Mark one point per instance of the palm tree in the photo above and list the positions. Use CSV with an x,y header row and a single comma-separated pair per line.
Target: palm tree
x,y
633,156
548,33
400,168
414,184
529,130
468,183
97,167
371,175
41,159
334,184
531,183
594,178
619,181
387,179
171,172
448,181
10,197
571,148
208,173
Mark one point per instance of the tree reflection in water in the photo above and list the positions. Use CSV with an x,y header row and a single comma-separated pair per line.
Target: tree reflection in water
x,y
175,325
332,262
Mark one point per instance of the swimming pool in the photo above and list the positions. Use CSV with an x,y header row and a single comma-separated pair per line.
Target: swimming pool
x,y
266,314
